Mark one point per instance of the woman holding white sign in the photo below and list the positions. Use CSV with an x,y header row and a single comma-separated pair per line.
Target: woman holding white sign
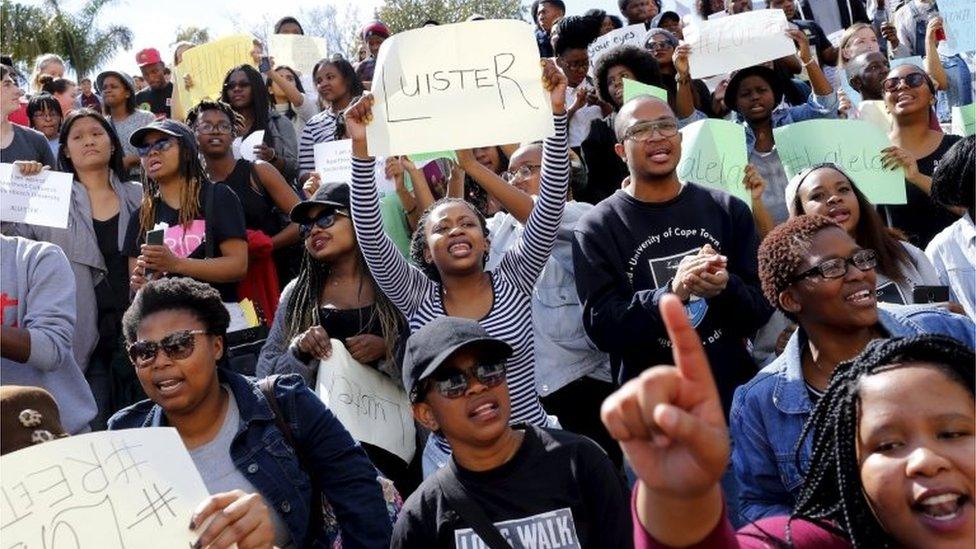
x,y
337,85
450,249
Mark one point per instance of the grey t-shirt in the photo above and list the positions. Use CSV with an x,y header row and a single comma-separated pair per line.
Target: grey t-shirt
x,y
219,474
126,128
28,144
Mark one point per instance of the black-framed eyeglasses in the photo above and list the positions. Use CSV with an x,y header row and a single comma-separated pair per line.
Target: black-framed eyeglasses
x,y
864,260
523,171
912,80
643,131
662,45
451,383
206,127
177,346
161,145
322,221
231,84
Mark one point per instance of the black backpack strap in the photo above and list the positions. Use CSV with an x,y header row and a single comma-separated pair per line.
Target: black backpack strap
x,y
472,513
208,198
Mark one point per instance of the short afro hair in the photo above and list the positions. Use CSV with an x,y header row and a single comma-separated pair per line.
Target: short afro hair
x,y
638,60
783,251
955,176
177,294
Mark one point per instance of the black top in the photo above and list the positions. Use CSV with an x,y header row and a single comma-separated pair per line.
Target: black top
x,y
605,171
558,490
226,222
921,218
156,101
259,208
342,324
111,294
626,252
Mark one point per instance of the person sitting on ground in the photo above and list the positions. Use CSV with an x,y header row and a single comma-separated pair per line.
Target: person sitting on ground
x,y
544,486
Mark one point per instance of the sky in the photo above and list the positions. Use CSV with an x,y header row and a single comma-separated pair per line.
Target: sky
x,y
154,23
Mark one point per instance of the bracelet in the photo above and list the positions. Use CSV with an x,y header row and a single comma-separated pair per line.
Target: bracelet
x,y
274,154
807,63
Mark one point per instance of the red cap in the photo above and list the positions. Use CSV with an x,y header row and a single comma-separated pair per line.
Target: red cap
x,y
375,27
148,56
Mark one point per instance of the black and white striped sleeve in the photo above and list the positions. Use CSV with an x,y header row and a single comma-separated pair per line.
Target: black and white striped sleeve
x,y
319,129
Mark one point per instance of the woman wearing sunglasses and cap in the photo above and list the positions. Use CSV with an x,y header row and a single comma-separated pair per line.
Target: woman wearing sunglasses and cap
x,y
335,298
813,272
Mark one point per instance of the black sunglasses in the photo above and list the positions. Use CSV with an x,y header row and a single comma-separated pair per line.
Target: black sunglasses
x,y
323,221
864,260
177,346
451,383
912,80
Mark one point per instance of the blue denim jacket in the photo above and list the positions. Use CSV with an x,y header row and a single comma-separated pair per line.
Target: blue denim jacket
x,y
768,413
260,452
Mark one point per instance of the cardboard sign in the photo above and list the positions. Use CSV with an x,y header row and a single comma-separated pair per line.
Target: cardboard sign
x,y
112,490
41,199
297,51
633,35
370,406
457,86
959,20
713,153
333,163
208,64
719,46
963,122
633,88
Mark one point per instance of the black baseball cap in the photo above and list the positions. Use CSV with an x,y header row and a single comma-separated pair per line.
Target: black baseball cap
x,y
429,347
330,195
167,126
673,15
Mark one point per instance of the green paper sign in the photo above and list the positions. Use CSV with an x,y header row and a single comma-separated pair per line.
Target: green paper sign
x,y
422,158
713,153
854,145
633,88
964,120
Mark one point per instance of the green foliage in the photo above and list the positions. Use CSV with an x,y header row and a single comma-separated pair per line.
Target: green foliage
x,y
401,15
192,34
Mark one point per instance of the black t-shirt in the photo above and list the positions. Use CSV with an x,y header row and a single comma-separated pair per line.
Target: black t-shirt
x,y
558,490
226,220
156,101
920,218
111,294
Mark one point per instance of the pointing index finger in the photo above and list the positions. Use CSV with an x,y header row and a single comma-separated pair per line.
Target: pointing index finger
x,y
686,346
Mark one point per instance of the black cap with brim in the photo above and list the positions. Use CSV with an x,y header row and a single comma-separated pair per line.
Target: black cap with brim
x,y
166,126
332,196
490,349
766,73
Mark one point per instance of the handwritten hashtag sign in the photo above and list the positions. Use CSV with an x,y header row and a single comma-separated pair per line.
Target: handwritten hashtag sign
x,y
720,46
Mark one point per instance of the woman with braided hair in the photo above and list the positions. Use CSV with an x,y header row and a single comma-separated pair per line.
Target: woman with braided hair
x,y
893,464
819,277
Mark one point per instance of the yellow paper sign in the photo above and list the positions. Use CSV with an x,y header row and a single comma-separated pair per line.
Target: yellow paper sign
x,y
207,66
297,51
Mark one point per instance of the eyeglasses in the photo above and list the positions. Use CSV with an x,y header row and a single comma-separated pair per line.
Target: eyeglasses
x,y
231,84
663,45
523,171
206,127
161,145
864,260
452,383
323,221
643,132
46,114
177,346
912,80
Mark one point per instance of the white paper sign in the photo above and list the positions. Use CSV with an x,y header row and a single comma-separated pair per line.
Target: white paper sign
x,y
297,51
106,490
737,41
632,34
41,199
457,86
333,163
248,144
370,406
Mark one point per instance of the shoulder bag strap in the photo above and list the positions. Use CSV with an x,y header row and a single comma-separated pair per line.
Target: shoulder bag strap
x,y
472,513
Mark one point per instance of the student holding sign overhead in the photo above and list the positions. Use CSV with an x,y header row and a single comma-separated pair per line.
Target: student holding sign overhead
x,y
449,250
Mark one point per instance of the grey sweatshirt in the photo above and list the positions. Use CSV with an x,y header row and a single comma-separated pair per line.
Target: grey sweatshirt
x,y
38,294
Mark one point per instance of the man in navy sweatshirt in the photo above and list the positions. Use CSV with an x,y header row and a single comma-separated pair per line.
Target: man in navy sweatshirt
x,y
658,235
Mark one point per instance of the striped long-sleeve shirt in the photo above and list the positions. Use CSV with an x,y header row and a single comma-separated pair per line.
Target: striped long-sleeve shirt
x,y
510,317
319,129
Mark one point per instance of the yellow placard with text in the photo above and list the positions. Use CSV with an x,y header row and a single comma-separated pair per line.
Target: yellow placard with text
x,y
207,66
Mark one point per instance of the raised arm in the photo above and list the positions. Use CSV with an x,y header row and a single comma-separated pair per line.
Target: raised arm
x,y
515,201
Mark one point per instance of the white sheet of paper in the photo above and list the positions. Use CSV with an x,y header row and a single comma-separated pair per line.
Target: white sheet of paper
x,y
41,199
631,34
333,161
370,406
248,144
737,41
464,85
297,51
111,489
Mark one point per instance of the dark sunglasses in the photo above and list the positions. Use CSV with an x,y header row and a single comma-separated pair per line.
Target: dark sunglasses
x,y
912,80
161,145
322,221
864,260
177,346
451,383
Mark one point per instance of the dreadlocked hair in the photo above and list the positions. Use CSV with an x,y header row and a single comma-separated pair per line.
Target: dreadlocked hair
x,y
832,488
302,310
418,243
192,173
235,118
783,250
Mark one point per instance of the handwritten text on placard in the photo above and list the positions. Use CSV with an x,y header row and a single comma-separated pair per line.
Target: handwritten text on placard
x,y
722,45
41,199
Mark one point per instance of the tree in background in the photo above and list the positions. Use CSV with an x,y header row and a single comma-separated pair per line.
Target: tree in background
x,y
401,15
192,34
339,27
28,31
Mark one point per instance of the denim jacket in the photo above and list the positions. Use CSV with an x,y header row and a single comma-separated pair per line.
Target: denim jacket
x,y
769,412
261,453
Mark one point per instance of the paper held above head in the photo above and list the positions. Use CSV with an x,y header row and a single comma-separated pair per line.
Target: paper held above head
x,y
112,489
41,199
464,85
720,46
633,35
959,20
207,65
854,145
297,51
713,154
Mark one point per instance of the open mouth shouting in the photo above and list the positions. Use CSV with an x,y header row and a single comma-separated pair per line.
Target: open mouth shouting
x,y
459,247
169,387
484,410
943,510
659,153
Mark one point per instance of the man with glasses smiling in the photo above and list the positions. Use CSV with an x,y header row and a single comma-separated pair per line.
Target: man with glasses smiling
x,y
518,486
660,235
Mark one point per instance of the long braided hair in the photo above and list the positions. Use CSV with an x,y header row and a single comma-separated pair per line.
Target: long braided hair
x,y
418,243
832,489
192,173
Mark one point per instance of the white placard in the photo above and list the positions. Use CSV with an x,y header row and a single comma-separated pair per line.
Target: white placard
x,y
106,490
632,34
458,86
41,199
297,51
370,406
722,45
248,144
333,163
